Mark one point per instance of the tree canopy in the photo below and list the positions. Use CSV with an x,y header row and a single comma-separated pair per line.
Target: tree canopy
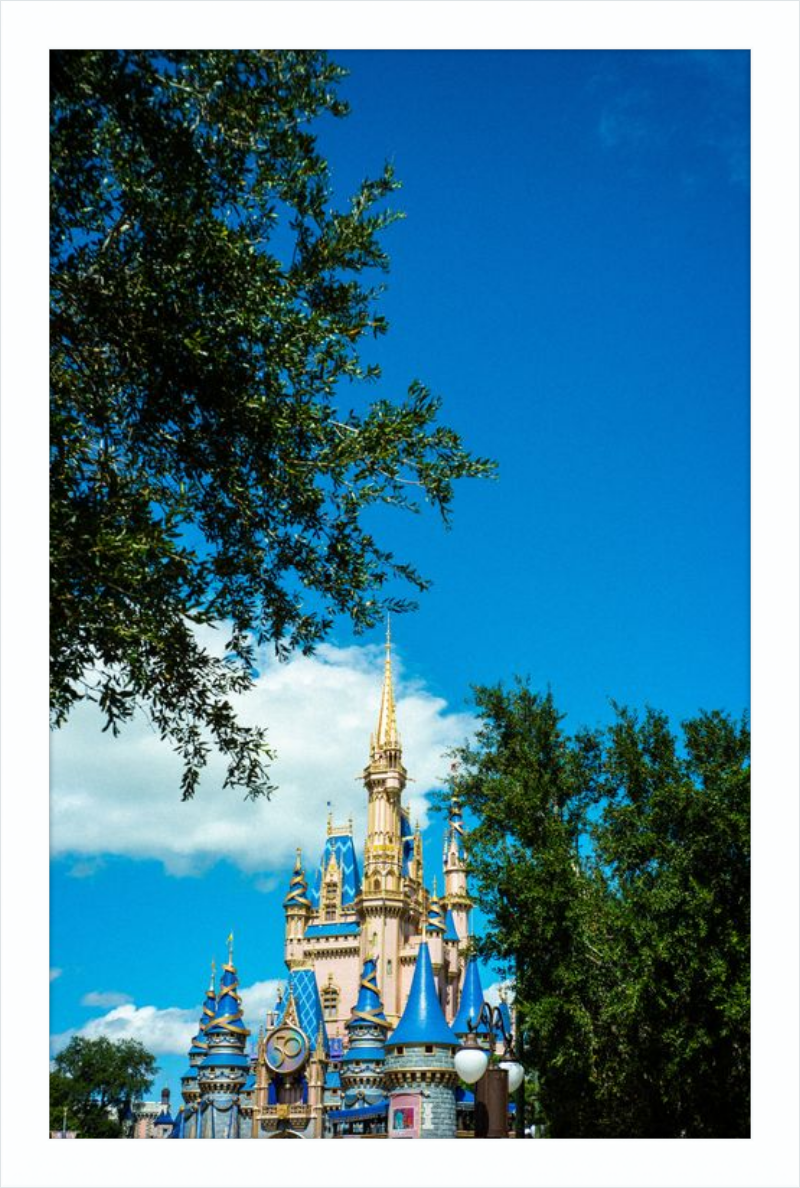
x,y
212,452
97,1081
614,869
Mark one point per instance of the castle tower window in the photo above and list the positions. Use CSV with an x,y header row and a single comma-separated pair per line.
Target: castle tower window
x,y
330,1001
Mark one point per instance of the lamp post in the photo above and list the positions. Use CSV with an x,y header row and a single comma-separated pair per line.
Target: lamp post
x,y
492,1085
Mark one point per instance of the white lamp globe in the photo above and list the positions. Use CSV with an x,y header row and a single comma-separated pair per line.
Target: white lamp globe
x,y
516,1074
471,1064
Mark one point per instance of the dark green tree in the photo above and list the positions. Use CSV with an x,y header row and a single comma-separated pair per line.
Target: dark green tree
x,y
97,1081
614,867
212,452
675,840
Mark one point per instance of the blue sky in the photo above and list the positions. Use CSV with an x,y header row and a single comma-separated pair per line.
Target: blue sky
x,y
572,277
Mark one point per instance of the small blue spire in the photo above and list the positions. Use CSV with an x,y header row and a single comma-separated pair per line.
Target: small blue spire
x,y
505,1015
436,921
451,933
454,837
229,1006
298,888
199,1046
368,1008
471,1002
423,1020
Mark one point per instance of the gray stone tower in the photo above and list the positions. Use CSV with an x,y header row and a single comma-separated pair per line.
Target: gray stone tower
x,y
419,1071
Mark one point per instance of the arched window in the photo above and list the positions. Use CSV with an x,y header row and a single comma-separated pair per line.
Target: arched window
x,y
330,1000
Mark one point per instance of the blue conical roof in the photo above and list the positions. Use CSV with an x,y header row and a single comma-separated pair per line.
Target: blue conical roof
x,y
471,1000
368,1008
209,1006
505,1015
423,1020
451,933
436,917
229,1005
199,1046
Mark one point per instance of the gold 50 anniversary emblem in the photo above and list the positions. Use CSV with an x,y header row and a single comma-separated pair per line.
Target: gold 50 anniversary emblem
x,y
287,1050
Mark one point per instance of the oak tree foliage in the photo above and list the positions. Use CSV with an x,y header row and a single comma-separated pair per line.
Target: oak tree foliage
x,y
614,869
97,1081
212,452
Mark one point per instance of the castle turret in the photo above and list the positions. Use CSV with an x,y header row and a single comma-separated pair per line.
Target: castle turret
x,y
162,1126
419,1070
453,964
297,908
362,1066
435,930
382,888
199,1048
469,1008
456,896
222,1073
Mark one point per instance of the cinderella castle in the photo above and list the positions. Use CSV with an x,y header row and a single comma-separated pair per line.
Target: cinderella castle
x,y
380,990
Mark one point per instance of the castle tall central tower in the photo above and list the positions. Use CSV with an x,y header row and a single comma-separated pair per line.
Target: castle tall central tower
x,y
341,918
382,898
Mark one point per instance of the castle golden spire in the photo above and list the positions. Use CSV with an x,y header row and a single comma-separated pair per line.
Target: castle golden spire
x,y
386,737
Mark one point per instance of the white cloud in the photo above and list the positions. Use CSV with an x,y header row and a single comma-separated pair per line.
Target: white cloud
x,y
105,998
164,1031
120,796
492,993
258,999
55,973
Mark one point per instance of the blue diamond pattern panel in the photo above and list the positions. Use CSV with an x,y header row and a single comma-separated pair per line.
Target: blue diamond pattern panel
x,y
303,984
340,844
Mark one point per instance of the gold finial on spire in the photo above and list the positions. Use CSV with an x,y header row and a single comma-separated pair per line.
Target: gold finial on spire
x,y
386,733
230,948
434,887
298,865
211,987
